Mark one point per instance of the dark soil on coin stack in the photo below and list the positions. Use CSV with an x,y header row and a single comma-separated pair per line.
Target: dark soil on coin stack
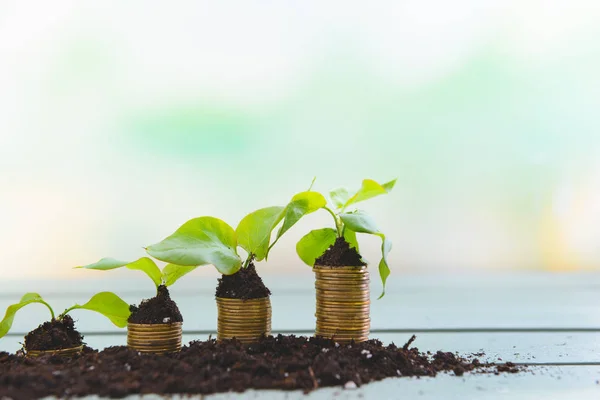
x,y
340,254
244,284
157,310
281,362
54,335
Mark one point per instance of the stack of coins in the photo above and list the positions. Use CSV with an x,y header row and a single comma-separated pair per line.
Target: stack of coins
x,y
154,338
71,351
343,303
246,320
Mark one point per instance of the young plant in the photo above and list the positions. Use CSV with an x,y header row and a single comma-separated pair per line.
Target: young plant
x,y
209,240
168,276
347,225
106,303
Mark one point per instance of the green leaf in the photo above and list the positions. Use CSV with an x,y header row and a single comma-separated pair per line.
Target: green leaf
x,y
200,241
350,237
105,264
314,244
144,264
172,272
360,222
339,197
9,316
108,304
148,266
384,269
370,189
254,230
301,204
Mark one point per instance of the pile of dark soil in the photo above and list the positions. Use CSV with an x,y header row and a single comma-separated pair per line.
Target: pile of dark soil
x,y
282,362
244,284
54,335
157,310
340,254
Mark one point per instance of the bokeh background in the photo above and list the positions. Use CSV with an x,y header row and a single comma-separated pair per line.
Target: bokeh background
x,y
118,122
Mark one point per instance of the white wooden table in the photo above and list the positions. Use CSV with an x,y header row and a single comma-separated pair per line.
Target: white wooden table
x,y
549,321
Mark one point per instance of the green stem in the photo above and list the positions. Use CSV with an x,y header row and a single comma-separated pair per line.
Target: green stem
x,y
338,223
49,308
248,260
67,311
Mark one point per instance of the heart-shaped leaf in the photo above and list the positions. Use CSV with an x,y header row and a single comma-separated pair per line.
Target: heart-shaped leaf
x,y
339,197
361,222
301,204
254,230
108,304
314,244
370,189
144,264
172,272
9,316
200,241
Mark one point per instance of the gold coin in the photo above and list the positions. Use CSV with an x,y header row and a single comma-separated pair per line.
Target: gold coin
x,y
58,352
154,327
340,269
351,309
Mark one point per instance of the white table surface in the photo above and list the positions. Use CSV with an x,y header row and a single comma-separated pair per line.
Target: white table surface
x,y
548,320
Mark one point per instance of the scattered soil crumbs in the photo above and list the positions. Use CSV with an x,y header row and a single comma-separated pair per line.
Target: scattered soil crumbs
x,y
244,284
281,362
340,254
157,310
54,335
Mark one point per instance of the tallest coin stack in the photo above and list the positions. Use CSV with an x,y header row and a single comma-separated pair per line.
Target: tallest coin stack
x,y
343,303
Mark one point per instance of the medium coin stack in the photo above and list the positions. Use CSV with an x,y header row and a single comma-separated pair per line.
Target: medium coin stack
x,y
246,320
154,338
343,303
71,351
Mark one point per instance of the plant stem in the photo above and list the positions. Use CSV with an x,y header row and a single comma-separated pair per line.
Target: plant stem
x,y
248,260
49,308
66,311
338,223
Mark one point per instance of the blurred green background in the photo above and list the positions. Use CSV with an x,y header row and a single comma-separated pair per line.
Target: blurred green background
x,y
118,122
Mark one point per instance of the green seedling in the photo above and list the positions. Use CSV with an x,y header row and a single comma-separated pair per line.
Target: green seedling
x,y
168,276
106,303
347,225
209,240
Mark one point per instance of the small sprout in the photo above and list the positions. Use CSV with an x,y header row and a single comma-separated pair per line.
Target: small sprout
x,y
106,303
347,225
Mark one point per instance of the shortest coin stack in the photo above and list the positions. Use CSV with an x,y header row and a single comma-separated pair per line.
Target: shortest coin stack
x,y
58,352
154,338
343,303
246,320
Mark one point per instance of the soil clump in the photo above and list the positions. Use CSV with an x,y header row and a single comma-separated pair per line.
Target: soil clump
x,y
245,284
54,335
157,310
340,254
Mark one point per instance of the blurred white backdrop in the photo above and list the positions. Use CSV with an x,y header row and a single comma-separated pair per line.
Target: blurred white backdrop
x,y
118,122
